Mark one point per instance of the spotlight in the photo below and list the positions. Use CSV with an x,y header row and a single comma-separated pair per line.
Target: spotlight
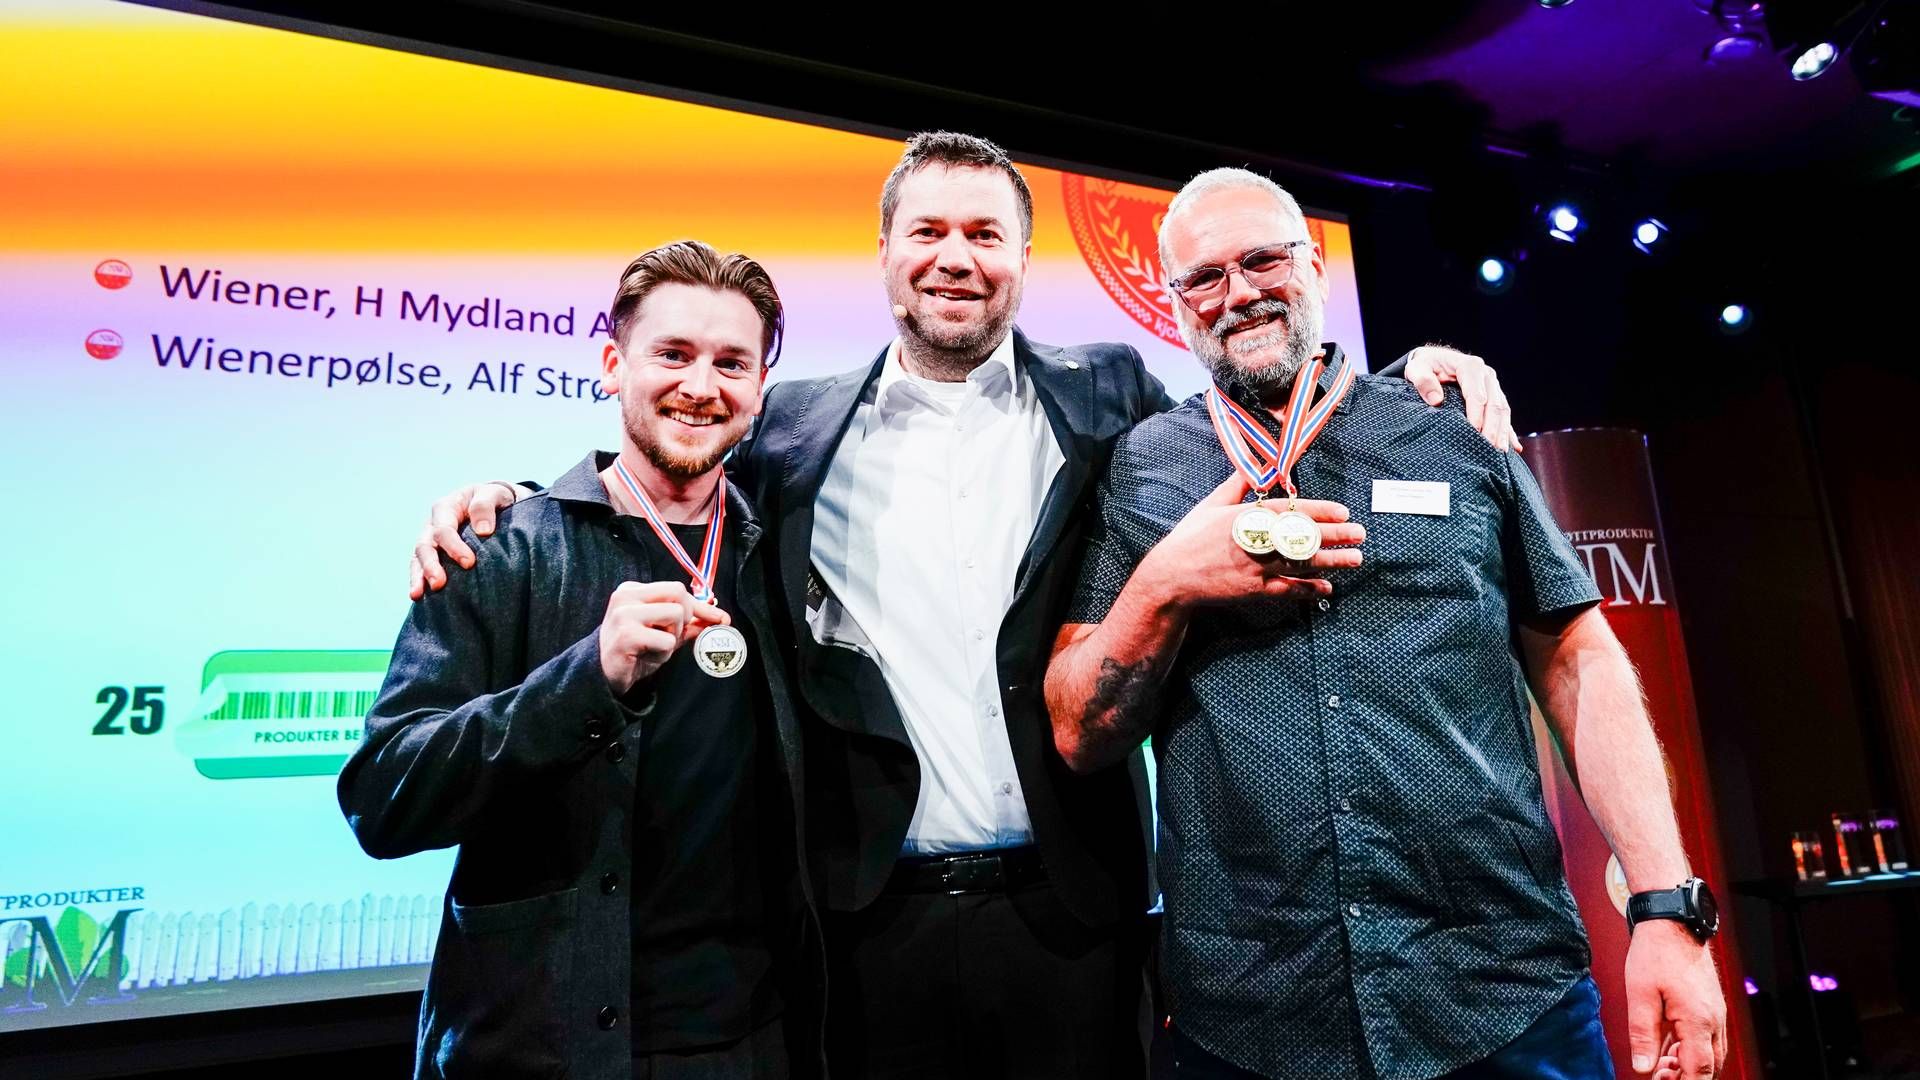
x,y
1735,318
1563,223
1742,30
1555,3
1810,37
1814,62
1493,276
1734,48
1649,234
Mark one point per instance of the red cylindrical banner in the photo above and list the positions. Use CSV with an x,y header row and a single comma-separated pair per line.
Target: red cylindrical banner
x,y
1599,483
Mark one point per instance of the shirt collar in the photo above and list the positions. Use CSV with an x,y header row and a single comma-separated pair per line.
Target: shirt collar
x,y
1334,356
997,377
583,484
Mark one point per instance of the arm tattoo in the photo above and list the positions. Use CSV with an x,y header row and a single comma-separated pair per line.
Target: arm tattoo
x,y
1120,695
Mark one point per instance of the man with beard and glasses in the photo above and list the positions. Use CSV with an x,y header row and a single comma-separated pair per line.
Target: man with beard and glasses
x,y
1359,871
592,717
984,906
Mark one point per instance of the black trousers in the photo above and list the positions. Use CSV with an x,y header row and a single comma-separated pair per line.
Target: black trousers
x,y
991,984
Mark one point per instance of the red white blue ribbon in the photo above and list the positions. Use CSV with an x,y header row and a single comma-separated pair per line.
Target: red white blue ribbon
x,y
1253,451
702,572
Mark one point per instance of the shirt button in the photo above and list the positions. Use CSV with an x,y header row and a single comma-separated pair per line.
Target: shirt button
x,y
1333,702
1006,788
963,493
993,710
1353,910
1346,806
607,1017
596,729
969,564
617,752
979,634
1325,604
609,883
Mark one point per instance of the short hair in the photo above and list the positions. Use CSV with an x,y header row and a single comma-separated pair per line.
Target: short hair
x,y
1221,180
690,262
950,149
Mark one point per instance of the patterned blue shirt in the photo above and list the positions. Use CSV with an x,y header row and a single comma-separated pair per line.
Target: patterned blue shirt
x,y
1359,872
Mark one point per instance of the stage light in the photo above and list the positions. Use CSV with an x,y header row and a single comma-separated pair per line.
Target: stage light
x,y
1735,318
1815,61
1564,223
1649,234
1742,30
1493,276
1555,3
1734,49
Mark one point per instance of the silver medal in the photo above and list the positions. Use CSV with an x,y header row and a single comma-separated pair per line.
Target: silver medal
x,y
721,651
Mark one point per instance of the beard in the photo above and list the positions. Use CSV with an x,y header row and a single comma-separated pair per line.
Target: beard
x,y
1296,332
956,348
669,459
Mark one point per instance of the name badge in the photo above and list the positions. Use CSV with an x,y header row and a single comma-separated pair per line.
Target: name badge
x,y
1430,497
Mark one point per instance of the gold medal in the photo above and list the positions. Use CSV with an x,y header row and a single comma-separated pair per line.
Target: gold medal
x,y
1265,463
720,651
1253,530
1296,536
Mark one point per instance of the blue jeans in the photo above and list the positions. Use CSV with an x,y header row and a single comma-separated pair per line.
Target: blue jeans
x,y
1564,1044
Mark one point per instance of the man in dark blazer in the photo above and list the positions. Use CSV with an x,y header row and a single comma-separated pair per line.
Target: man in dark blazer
x,y
984,907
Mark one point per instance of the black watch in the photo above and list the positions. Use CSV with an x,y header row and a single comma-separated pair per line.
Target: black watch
x,y
1692,903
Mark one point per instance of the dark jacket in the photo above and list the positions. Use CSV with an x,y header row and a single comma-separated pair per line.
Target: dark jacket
x,y
496,731
862,776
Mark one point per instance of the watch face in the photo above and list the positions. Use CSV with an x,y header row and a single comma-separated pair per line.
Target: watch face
x,y
1706,908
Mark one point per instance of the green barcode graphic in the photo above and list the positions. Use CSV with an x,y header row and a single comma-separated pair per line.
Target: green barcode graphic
x,y
269,713
294,705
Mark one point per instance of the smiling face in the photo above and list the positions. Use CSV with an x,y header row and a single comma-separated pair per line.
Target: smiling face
x,y
1255,339
955,259
689,376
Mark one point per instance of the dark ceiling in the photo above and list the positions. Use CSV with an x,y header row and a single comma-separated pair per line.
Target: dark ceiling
x,y
1429,95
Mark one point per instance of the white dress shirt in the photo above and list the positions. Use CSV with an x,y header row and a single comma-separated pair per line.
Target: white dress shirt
x,y
918,529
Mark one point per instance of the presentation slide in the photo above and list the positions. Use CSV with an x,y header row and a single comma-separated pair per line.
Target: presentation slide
x,y
263,296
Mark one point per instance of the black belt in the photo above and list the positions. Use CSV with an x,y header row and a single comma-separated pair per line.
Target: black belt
x,y
969,872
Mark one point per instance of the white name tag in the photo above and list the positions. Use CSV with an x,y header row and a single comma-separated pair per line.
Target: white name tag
x,y
1428,497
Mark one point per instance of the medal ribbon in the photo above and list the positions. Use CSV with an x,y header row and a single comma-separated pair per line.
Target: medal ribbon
x,y
1261,460
703,572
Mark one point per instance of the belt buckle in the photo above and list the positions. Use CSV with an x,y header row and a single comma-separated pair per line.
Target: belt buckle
x,y
974,873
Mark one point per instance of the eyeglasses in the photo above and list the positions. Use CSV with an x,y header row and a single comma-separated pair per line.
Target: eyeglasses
x,y
1204,288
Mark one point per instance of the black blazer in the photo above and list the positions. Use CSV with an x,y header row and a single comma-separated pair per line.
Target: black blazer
x,y
496,731
862,777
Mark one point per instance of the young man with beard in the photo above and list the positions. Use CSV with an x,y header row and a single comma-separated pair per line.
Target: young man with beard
x,y
984,905
1360,875
590,716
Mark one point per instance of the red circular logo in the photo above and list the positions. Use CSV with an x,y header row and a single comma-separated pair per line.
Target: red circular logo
x,y
1117,228
104,344
113,274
